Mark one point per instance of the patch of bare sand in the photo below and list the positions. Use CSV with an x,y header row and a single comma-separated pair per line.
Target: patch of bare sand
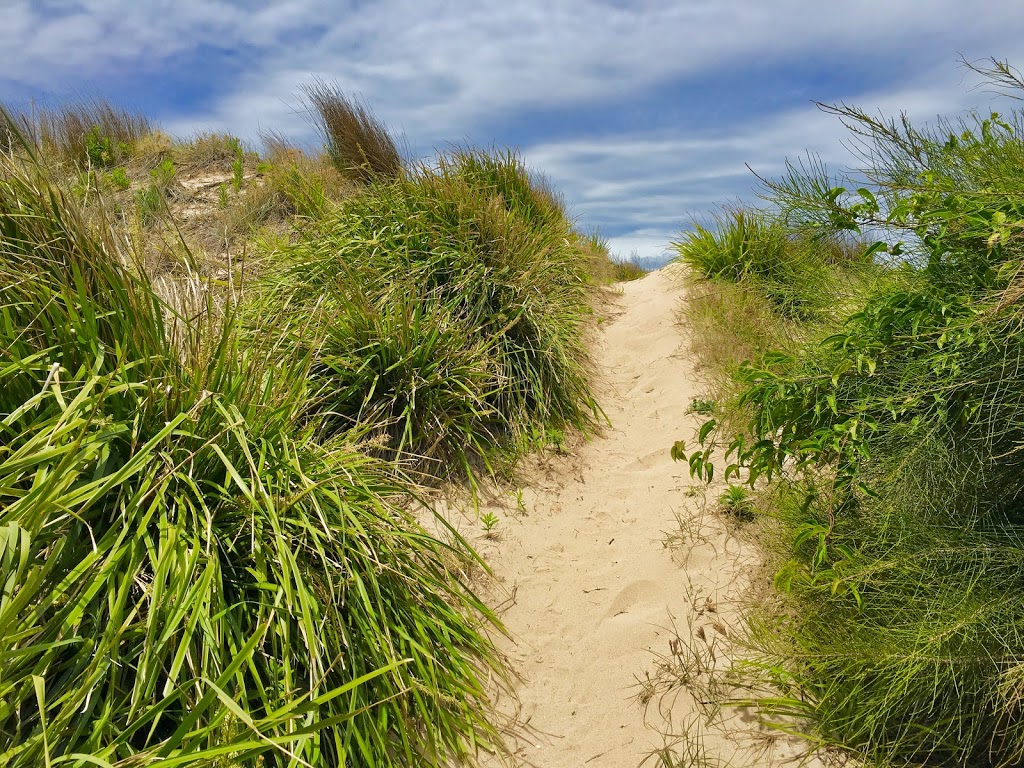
x,y
599,607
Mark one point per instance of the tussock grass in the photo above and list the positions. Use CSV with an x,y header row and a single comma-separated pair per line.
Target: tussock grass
x,y
359,145
594,246
448,312
207,553
91,133
306,183
799,273
625,271
212,152
191,572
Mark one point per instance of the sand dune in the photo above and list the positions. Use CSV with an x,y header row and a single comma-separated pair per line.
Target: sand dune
x,y
609,573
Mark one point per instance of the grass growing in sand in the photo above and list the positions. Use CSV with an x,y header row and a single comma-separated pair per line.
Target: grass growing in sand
x,y
446,311
884,441
206,552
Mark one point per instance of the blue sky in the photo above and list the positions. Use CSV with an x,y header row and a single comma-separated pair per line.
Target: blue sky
x,y
644,113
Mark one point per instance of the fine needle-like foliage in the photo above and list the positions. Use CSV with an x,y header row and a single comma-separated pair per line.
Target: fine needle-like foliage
x,y
447,312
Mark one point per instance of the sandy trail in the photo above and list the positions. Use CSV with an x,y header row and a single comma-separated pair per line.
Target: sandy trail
x,y
594,595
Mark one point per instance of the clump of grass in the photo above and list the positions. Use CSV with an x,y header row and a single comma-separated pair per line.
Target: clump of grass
x,y
191,574
246,210
736,500
793,270
626,271
307,183
701,406
729,324
151,200
449,310
119,179
88,134
360,146
594,246
211,152
151,149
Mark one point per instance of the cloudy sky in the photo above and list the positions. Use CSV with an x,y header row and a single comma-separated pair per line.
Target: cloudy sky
x,y
644,113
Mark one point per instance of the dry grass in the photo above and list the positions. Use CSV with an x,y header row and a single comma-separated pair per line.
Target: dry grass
x,y
625,271
603,269
728,324
307,181
359,144
85,134
212,152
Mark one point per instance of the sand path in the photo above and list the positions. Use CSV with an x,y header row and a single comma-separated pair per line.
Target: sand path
x,y
596,601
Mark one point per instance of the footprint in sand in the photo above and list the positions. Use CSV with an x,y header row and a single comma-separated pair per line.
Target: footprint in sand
x,y
631,595
649,460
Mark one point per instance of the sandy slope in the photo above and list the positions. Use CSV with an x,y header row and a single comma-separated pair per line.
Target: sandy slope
x,y
595,600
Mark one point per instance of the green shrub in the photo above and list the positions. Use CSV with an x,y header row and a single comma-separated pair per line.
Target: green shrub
x,y
892,455
190,574
164,174
452,304
306,183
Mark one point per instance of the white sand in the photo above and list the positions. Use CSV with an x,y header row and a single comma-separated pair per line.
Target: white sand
x,y
592,590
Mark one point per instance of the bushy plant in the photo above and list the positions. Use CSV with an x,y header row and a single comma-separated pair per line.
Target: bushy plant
x,y
893,454
190,573
451,307
210,151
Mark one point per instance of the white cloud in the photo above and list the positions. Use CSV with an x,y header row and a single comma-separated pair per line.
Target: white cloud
x,y
438,68
645,188
443,70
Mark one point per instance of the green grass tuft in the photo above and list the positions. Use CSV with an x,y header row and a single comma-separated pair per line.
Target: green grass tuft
x,y
191,572
446,310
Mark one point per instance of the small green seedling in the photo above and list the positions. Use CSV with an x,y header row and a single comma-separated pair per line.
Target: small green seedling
x,y
736,501
520,503
488,521
701,407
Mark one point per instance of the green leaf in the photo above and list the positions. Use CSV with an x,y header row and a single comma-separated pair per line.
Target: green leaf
x,y
705,430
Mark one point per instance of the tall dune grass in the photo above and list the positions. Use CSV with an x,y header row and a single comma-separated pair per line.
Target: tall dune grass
x,y
449,310
91,133
359,144
190,573
800,273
